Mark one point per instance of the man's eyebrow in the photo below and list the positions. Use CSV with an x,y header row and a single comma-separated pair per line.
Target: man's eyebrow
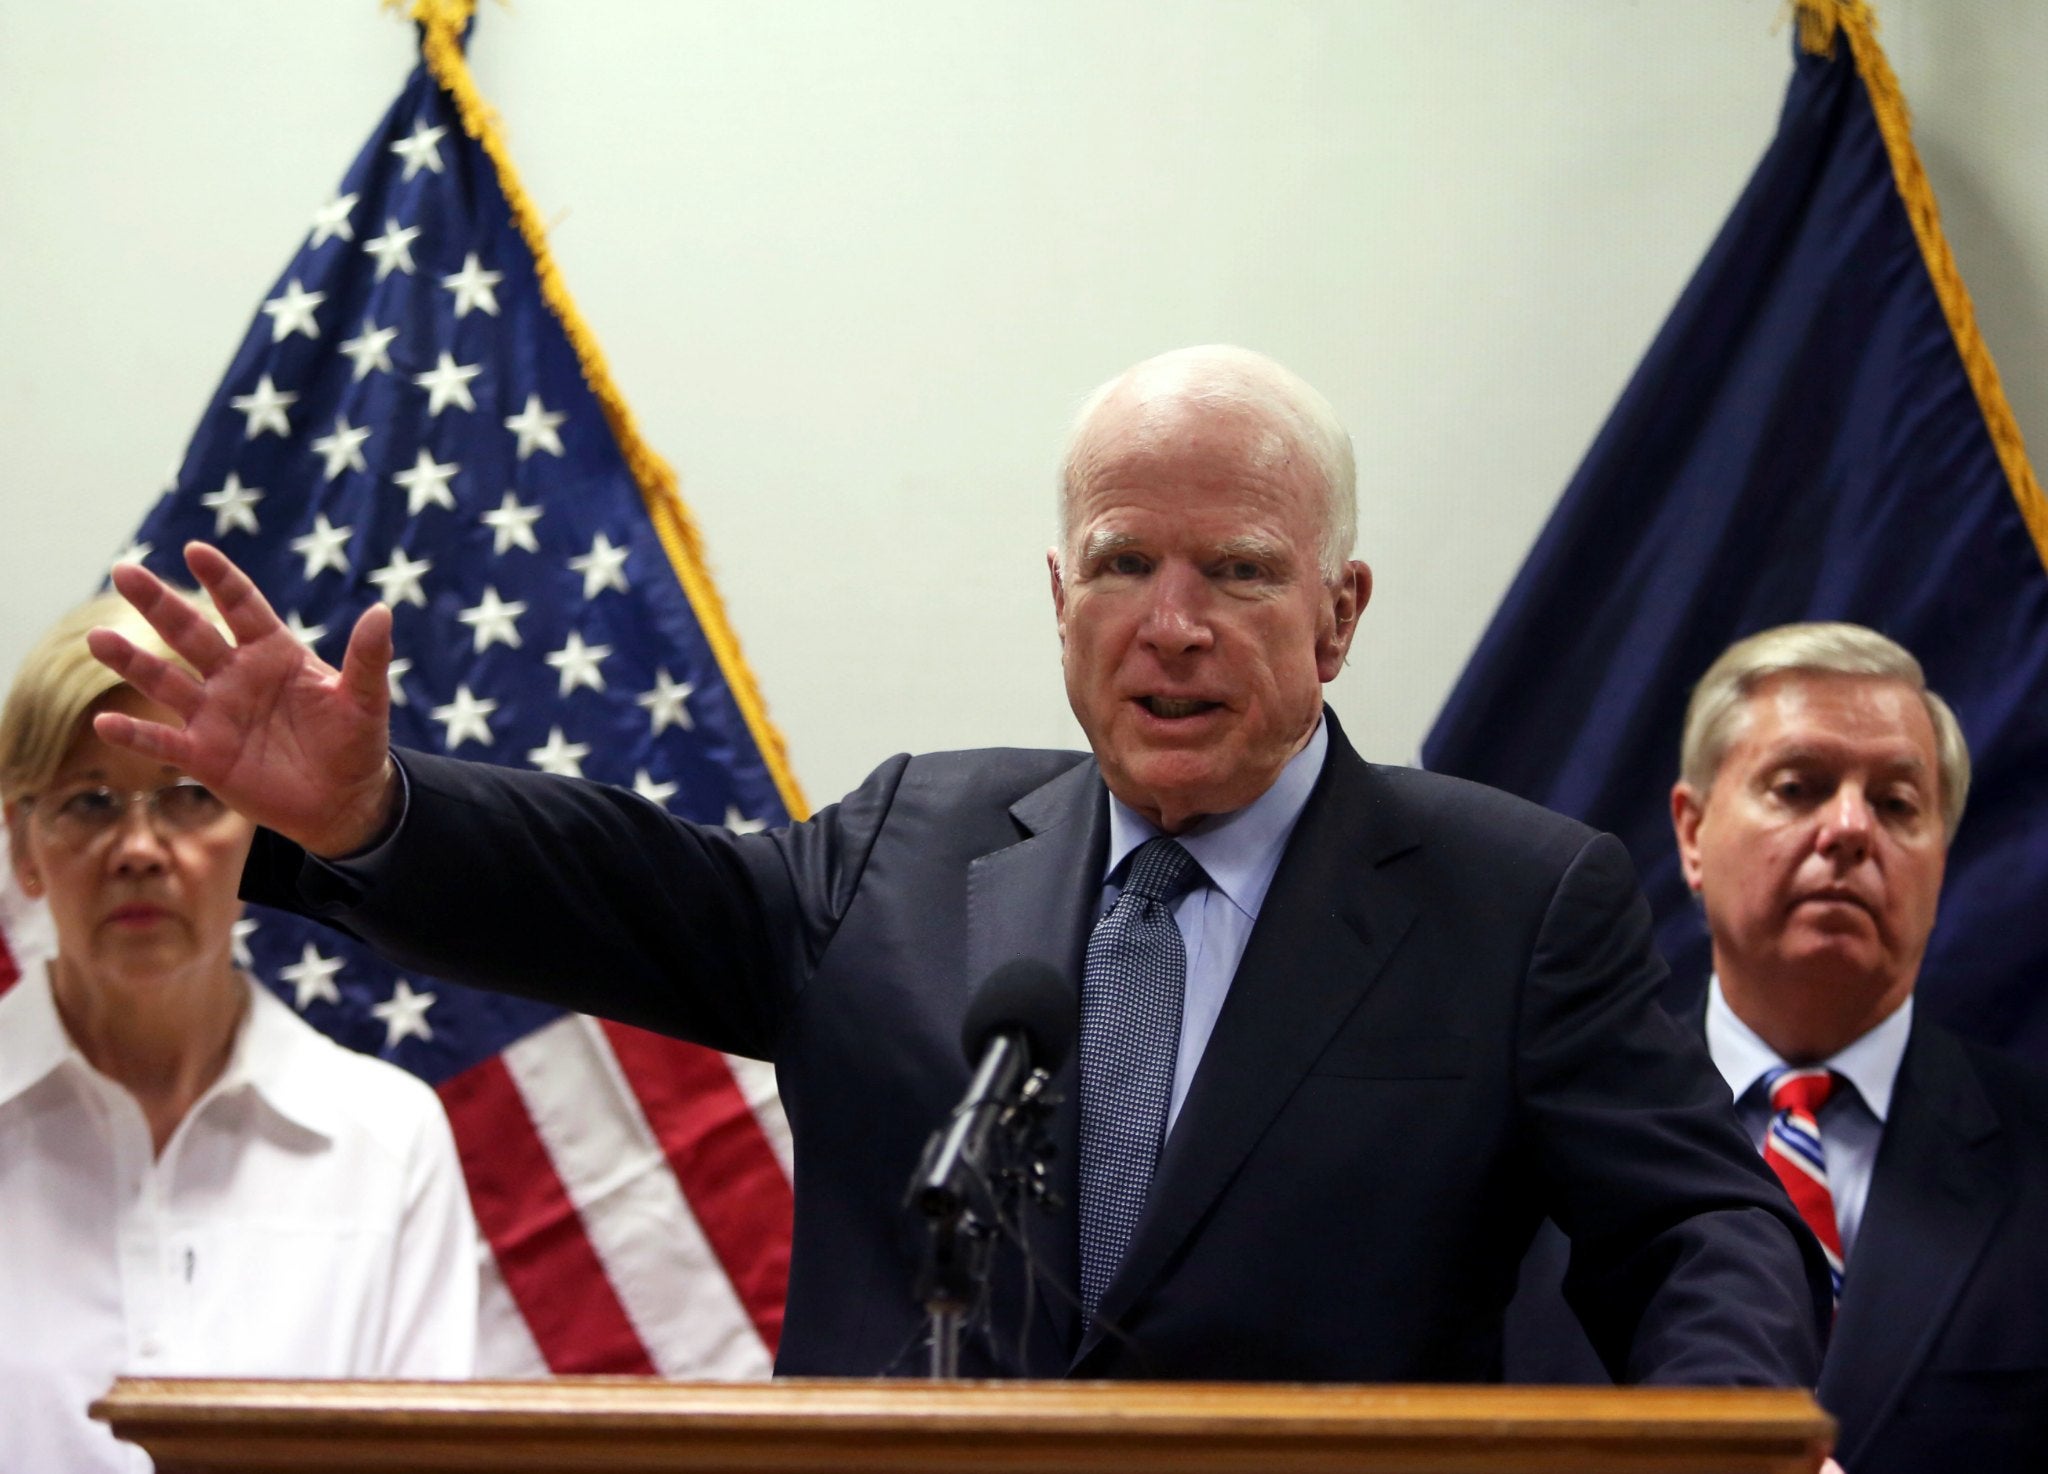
x,y
1807,755
1105,543
1258,549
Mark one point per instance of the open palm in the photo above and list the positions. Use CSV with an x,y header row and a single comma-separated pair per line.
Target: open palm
x,y
279,734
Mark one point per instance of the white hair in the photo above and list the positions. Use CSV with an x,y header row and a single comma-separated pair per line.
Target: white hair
x,y
1218,376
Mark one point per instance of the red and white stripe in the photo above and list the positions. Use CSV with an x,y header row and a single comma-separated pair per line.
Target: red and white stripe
x,y
635,1200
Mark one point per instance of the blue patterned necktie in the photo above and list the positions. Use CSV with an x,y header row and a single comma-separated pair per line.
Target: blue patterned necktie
x,y
1131,993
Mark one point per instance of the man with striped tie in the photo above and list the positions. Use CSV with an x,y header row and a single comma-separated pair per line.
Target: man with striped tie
x,y
1821,784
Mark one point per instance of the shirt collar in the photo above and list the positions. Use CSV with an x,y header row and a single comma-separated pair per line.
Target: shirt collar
x,y
1238,851
1870,1063
269,1054
274,1056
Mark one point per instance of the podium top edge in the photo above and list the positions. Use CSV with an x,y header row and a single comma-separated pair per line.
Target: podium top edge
x,y
1196,1408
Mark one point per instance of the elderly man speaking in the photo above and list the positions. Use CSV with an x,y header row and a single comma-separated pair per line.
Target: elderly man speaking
x,y
1347,1032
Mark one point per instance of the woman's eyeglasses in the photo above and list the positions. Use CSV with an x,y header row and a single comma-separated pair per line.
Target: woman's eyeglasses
x,y
78,816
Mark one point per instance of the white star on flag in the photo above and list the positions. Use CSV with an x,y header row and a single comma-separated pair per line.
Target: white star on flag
x,y
493,620
234,505
467,719
322,548
238,943
135,552
394,678
561,756
265,407
603,567
421,150
739,823
664,704
512,526
404,1014
292,312
535,426
427,482
398,582
655,793
308,635
331,220
313,977
343,449
447,382
577,663
393,249
370,350
472,287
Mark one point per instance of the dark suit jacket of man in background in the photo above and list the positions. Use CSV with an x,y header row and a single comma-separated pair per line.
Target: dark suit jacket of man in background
x,y
1442,1028
1939,1358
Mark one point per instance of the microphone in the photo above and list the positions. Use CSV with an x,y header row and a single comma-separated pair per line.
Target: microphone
x,y
1022,1021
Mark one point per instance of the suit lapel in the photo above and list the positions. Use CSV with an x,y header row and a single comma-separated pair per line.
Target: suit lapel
x,y
1036,899
1936,1193
1330,921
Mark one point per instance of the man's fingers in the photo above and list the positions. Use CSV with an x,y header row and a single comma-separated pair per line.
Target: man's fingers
x,y
234,594
151,739
365,668
158,679
184,628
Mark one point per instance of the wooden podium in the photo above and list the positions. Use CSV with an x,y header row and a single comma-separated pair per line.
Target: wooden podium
x,y
612,1424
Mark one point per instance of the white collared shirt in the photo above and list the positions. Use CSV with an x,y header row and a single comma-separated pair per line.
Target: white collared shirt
x,y
1851,1123
307,1218
1238,852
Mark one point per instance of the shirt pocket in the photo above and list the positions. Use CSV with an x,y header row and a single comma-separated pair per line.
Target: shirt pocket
x,y
280,1296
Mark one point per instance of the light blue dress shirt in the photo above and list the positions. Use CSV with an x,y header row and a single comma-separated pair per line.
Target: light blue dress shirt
x,y
1851,1123
1238,852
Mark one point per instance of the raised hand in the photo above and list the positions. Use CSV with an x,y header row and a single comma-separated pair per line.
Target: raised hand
x,y
274,730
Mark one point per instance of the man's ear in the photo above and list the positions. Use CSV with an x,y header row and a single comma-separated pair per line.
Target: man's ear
x,y
1688,808
1348,598
1059,591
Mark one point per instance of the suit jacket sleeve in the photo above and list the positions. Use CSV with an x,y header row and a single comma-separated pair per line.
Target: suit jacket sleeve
x,y
589,897
1688,1266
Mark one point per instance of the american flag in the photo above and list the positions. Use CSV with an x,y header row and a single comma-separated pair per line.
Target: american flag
x,y
409,419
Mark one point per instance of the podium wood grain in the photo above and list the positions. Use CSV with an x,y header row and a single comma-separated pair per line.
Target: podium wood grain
x,y
196,1426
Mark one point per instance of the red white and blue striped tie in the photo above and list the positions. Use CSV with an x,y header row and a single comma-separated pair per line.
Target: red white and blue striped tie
x,y
1793,1148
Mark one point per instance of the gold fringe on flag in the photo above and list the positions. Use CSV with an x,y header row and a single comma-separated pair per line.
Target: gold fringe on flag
x,y
441,23
1820,22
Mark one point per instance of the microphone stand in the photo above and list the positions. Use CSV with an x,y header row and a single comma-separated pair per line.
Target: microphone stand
x,y
976,1170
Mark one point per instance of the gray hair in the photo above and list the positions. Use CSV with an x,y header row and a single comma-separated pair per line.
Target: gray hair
x,y
1830,649
1219,376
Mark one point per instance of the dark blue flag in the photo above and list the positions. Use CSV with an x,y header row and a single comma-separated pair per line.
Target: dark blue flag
x,y
417,415
1817,433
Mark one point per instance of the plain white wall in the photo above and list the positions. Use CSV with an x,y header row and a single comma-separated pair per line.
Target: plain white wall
x,y
854,262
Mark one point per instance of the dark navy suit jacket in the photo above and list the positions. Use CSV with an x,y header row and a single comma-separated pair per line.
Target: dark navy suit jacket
x,y
1442,1029
1939,1358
